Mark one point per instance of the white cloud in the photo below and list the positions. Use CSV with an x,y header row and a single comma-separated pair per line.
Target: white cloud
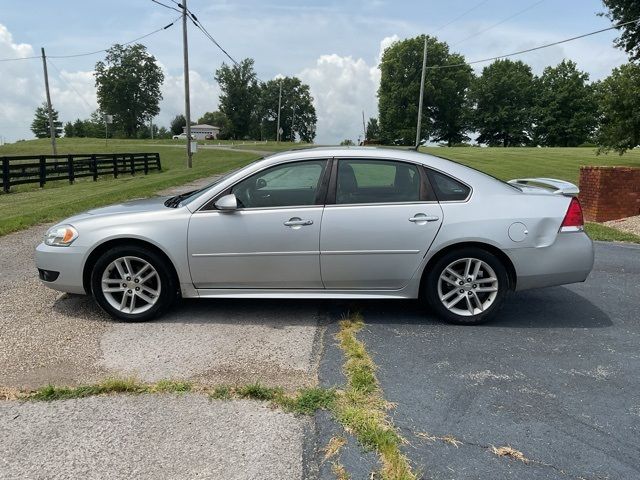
x,y
342,88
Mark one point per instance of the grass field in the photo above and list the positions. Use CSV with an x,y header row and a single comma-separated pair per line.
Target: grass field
x,y
508,163
30,205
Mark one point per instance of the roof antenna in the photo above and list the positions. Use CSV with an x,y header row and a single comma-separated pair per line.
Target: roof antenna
x,y
424,71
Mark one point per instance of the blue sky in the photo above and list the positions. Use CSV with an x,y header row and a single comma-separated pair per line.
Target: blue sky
x,y
334,46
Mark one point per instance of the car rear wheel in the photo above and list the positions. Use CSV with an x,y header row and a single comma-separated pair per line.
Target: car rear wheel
x,y
466,286
132,283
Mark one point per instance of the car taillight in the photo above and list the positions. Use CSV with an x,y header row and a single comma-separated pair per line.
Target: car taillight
x,y
573,220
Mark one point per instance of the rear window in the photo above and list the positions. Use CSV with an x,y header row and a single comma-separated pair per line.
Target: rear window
x,y
447,189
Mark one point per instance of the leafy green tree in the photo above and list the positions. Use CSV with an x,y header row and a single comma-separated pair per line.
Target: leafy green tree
x,y
239,97
177,124
40,124
445,110
79,129
618,99
622,11
347,142
373,129
163,132
128,87
297,114
565,107
216,119
503,99
68,130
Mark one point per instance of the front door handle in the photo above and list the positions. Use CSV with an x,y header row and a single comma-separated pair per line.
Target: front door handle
x,y
297,222
421,218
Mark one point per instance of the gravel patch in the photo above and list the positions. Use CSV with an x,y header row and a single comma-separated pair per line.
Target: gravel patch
x,y
150,437
629,224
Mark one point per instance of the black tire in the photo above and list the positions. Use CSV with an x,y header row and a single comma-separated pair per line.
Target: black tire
x,y
432,295
165,280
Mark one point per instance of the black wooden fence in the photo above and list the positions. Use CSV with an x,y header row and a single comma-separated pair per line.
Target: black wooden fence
x,y
21,169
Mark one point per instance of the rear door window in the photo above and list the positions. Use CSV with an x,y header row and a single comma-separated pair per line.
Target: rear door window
x,y
448,189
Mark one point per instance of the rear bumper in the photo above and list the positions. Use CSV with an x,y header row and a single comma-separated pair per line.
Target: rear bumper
x,y
67,262
568,260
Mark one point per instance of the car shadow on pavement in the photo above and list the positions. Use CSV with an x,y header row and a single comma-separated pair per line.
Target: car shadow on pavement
x,y
556,307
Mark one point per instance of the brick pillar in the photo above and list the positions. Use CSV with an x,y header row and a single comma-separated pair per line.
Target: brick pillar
x,y
609,193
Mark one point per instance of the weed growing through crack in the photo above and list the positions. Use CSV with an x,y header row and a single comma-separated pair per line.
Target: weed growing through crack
x,y
362,410
510,452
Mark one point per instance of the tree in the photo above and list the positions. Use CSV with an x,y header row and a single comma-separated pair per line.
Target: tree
x,y
164,133
40,124
565,108
618,99
347,142
216,119
373,130
621,11
177,124
128,87
503,104
239,97
444,115
297,113
79,128
68,130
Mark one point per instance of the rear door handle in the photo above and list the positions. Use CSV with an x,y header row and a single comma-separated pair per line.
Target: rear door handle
x,y
421,217
297,222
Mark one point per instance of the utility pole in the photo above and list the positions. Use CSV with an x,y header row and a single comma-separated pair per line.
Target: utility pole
x,y
364,128
52,130
187,101
151,127
279,106
424,72
293,123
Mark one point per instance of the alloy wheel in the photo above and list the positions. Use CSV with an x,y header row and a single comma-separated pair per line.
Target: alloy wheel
x,y
467,286
131,285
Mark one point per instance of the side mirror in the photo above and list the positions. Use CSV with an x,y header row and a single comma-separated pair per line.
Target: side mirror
x,y
227,203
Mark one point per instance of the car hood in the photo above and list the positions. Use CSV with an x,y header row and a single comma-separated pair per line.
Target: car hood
x,y
133,206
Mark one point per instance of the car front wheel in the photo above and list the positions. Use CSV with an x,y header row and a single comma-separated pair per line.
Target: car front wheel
x,y
466,286
132,283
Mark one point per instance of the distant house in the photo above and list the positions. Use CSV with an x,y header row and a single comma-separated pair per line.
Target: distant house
x,y
200,132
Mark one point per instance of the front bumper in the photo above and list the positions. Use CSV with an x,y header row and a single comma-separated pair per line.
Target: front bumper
x,y
67,262
568,260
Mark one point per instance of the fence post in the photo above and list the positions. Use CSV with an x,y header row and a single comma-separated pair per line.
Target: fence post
x,y
115,165
146,164
43,170
94,166
71,170
133,165
157,155
6,181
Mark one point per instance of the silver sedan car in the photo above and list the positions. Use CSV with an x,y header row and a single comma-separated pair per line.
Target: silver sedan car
x,y
341,223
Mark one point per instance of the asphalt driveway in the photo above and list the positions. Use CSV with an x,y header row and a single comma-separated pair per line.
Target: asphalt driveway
x,y
555,377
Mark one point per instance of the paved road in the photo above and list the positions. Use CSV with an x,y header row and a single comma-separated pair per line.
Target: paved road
x,y
554,376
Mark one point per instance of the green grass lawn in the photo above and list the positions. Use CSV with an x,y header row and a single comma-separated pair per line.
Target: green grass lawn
x,y
509,163
29,205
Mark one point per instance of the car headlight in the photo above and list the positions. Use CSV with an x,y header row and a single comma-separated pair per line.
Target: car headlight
x,y
60,236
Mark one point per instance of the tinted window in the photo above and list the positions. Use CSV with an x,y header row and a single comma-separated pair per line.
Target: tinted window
x,y
291,184
377,181
446,188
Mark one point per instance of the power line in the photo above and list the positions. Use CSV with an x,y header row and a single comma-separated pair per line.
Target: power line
x,y
97,51
520,12
540,47
91,108
478,5
168,6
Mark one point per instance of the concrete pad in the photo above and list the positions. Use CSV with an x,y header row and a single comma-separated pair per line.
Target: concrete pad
x,y
150,437
49,337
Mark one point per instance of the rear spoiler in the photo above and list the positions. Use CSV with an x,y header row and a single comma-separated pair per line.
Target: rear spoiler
x,y
558,187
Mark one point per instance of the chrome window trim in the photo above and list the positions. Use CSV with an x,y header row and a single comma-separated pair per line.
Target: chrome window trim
x,y
377,204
